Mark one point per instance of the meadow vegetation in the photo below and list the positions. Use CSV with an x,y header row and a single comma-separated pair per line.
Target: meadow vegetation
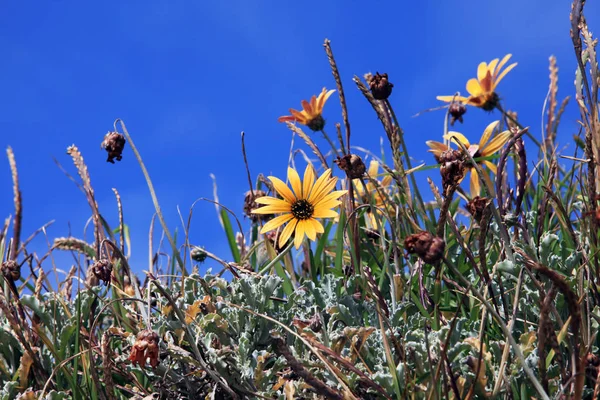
x,y
348,278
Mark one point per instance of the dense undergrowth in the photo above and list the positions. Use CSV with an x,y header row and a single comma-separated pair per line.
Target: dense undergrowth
x,y
484,287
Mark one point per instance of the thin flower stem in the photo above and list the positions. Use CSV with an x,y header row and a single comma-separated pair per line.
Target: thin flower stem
x,y
508,116
335,150
278,258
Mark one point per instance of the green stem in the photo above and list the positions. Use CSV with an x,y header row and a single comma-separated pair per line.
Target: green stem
x,y
278,258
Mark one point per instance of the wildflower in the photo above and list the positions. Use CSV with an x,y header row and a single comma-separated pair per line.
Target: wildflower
x,y
311,114
380,87
430,248
376,190
301,208
482,89
145,346
485,148
113,143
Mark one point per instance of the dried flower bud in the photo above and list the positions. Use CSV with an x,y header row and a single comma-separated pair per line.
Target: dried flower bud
x,y
425,245
250,205
11,270
452,168
145,346
352,164
380,87
102,269
113,143
316,323
478,206
457,110
198,254
273,237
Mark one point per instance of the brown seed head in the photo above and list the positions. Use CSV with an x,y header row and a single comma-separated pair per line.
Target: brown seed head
x,y
113,143
316,323
102,269
352,164
145,346
457,110
11,270
425,245
478,206
198,254
250,205
452,168
380,87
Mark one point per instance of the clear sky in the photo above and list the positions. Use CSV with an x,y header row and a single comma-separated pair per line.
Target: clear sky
x,y
188,76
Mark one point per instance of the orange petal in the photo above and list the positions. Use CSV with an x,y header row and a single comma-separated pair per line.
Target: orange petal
x,y
307,108
503,74
449,99
286,118
475,186
437,148
496,143
501,65
459,136
487,133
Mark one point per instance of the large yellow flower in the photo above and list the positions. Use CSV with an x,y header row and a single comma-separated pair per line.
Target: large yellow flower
x,y
311,114
301,207
485,148
482,90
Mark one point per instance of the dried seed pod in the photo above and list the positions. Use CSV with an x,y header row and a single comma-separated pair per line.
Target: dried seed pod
x,y
250,205
145,347
11,270
456,111
430,248
102,269
452,168
477,206
316,323
113,143
198,254
352,164
380,87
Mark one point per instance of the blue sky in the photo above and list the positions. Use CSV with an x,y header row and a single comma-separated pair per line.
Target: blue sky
x,y
188,76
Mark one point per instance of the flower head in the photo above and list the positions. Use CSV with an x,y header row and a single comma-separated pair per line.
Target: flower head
x,y
311,114
485,148
482,90
113,143
300,206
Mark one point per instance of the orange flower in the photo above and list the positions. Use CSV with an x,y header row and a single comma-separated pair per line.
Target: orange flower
x,y
311,114
482,89
485,148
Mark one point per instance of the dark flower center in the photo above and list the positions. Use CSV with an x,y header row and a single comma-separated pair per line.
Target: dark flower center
x,y
316,124
302,209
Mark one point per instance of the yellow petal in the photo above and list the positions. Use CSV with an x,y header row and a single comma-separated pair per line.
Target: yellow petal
x,y
437,148
482,70
331,196
489,183
496,143
373,168
324,212
316,225
492,65
271,201
459,136
299,235
487,133
491,166
322,187
282,189
274,209
504,61
503,74
449,99
323,97
308,228
294,179
473,87
329,204
309,180
276,222
475,186
287,232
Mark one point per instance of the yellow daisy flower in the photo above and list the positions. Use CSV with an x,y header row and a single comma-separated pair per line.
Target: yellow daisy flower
x,y
485,148
311,114
482,89
301,207
380,200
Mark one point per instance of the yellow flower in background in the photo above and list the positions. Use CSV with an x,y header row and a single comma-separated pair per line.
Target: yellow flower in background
x,y
377,191
301,207
482,90
485,148
311,114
